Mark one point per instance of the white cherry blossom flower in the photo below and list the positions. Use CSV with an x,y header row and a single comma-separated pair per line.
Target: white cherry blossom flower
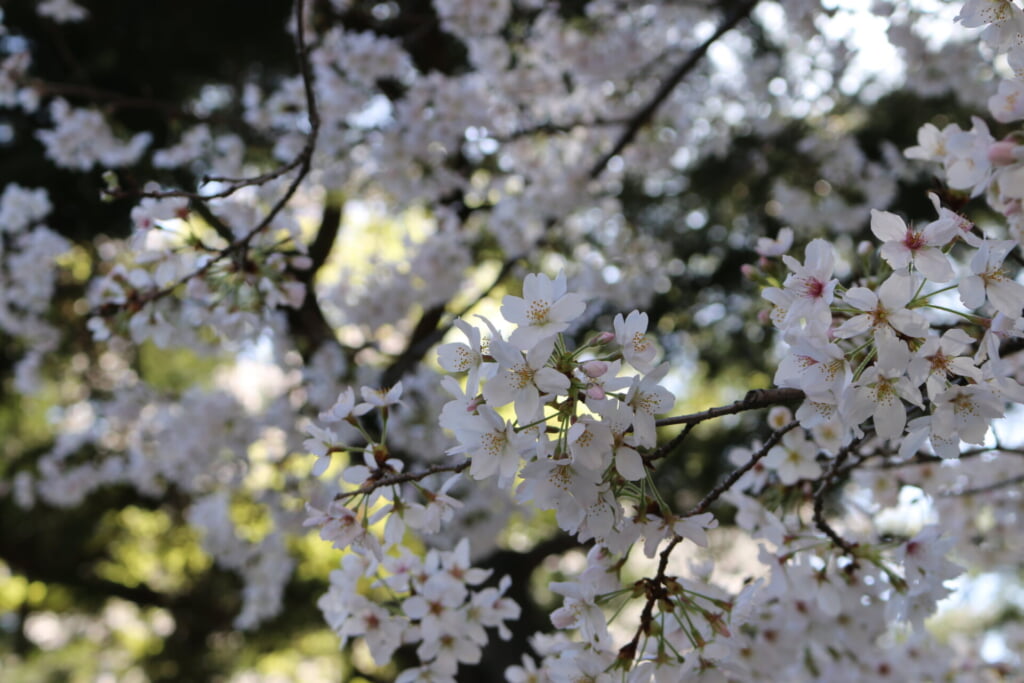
x,y
989,280
440,508
882,388
590,443
814,365
931,143
563,486
342,527
811,284
940,357
965,412
631,333
647,398
523,379
794,458
492,443
967,164
580,610
1008,103
903,245
321,443
464,357
950,224
618,418
344,408
884,311
379,398
695,527
783,242
544,310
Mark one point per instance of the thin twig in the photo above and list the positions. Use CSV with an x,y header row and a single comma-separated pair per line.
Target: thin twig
x,y
647,111
401,478
826,482
735,475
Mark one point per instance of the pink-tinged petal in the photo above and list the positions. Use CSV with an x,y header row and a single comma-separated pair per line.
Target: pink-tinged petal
x,y
934,265
972,291
629,464
887,226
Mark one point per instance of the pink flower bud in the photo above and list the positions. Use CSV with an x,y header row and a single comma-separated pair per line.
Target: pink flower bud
x,y
594,368
1002,153
595,392
604,338
748,271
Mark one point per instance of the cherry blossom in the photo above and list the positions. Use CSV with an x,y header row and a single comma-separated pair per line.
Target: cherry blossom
x,y
810,284
545,309
885,311
903,246
990,281
631,334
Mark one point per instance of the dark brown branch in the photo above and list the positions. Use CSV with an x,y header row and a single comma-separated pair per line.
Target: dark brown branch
x,y
307,323
735,475
647,111
671,445
825,483
758,398
401,478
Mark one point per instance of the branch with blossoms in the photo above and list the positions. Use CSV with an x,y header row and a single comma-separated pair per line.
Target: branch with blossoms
x,y
131,295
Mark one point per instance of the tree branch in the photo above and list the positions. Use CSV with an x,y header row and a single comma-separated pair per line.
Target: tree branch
x,y
401,478
647,111
757,398
826,482
735,475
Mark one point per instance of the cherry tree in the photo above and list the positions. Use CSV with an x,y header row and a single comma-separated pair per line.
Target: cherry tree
x,y
435,341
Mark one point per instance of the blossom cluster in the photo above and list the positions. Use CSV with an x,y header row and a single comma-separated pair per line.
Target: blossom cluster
x,y
904,358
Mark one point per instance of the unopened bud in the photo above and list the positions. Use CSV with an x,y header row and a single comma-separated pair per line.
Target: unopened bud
x,y
748,271
595,392
1002,153
604,338
865,248
594,368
